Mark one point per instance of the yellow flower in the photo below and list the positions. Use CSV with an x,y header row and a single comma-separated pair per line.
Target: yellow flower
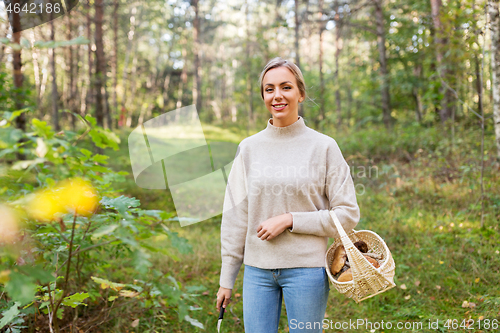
x,y
46,206
78,196
75,196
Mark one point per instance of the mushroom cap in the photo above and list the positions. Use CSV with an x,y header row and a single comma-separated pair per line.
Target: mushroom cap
x,y
339,259
372,261
346,276
362,246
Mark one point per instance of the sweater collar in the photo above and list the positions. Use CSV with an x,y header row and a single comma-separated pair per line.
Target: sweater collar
x,y
288,131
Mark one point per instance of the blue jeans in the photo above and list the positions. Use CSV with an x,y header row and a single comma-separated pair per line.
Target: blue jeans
x,y
305,291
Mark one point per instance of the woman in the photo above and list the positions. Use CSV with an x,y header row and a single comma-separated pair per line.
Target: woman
x,y
283,182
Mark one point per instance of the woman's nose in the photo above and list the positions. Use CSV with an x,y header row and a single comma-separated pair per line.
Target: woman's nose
x,y
277,94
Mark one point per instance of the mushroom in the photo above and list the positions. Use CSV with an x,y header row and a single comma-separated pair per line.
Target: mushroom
x,y
372,261
362,246
346,276
374,255
339,259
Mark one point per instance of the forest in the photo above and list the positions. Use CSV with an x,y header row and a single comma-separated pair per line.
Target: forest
x,y
410,91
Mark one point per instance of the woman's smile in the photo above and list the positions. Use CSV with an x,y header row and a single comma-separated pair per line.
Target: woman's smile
x,y
279,107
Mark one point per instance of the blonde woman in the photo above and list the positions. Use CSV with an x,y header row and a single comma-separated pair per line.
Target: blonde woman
x,y
282,185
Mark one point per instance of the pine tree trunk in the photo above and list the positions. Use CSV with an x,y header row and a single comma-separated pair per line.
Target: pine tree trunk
x,y
71,95
100,64
384,74
183,78
338,28
18,73
197,66
320,60
495,61
55,95
36,68
440,43
248,61
89,98
114,63
297,53
130,48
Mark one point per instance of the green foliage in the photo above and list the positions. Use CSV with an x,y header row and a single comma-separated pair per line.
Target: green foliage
x,y
55,281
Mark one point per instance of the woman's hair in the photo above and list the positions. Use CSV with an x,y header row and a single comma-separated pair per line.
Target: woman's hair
x,y
280,62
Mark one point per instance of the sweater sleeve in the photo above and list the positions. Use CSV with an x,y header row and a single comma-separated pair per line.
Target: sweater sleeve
x,y
341,194
234,223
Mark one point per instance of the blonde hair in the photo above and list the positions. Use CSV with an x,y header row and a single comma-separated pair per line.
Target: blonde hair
x,y
280,62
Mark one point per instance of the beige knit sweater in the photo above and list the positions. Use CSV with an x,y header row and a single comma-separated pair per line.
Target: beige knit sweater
x,y
291,169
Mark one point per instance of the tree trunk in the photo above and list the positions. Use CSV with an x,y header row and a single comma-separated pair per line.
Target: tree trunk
x,y
418,104
417,72
197,66
89,98
18,73
183,78
71,95
114,63
133,88
320,60
297,54
100,70
248,62
384,74
130,47
495,61
338,48
55,95
440,43
36,68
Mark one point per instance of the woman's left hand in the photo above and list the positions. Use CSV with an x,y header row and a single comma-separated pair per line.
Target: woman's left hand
x,y
274,226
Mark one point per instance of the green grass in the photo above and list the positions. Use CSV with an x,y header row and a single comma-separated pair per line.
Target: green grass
x,y
423,202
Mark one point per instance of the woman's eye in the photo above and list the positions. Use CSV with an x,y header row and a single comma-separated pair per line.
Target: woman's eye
x,y
269,90
287,88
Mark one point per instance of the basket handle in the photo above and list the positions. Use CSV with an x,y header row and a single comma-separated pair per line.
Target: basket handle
x,y
343,235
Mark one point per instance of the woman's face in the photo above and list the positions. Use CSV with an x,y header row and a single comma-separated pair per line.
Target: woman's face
x,y
282,96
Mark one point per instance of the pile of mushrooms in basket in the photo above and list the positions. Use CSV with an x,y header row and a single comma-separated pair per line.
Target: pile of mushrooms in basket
x,y
341,269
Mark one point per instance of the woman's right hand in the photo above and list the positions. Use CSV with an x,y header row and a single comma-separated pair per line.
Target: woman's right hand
x,y
223,294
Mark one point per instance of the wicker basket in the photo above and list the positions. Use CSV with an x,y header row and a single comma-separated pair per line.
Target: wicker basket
x,y
367,281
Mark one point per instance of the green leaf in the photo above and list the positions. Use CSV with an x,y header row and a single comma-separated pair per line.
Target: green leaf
x,y
154,213
180,243
104,138
91,120
98,168
15,134
21,288
102,159
121,203
86,152
105,284
104,230
9,315
37,273
42,129
75,299
141,262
